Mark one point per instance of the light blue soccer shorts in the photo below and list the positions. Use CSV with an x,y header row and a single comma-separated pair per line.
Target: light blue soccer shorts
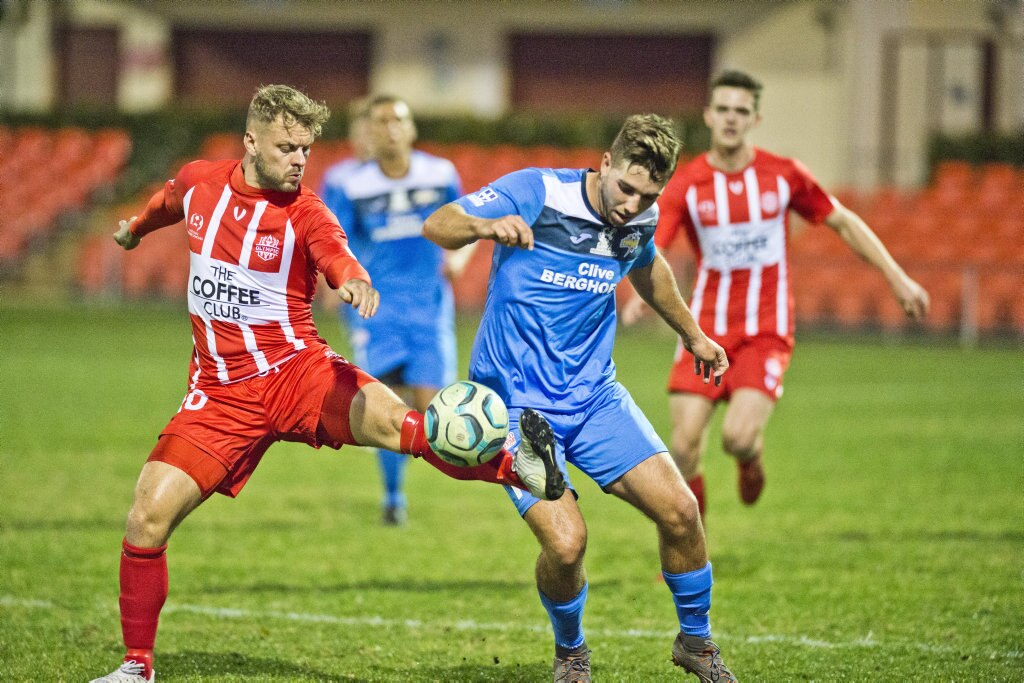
x,y
414,349
606,439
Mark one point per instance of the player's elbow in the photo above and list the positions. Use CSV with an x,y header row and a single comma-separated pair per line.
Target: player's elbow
x,y
437,229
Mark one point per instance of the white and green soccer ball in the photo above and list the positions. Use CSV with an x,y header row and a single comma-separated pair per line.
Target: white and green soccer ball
x,y
466,424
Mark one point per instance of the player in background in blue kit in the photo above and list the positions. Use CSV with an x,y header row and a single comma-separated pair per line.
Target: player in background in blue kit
x,y
410,344
565,238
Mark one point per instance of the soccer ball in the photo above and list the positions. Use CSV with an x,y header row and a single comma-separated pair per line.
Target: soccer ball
x,y
466,424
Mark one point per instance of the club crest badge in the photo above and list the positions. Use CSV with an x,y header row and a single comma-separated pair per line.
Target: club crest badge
x,y
604,243
195,226
268,247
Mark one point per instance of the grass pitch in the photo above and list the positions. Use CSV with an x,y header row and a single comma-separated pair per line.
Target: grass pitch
x,y
888,545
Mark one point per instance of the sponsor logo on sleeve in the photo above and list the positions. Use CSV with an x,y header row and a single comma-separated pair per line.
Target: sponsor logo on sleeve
x,y
630,243
483,196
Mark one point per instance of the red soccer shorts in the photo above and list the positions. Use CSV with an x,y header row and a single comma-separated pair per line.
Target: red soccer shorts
x,y
306,399
754,363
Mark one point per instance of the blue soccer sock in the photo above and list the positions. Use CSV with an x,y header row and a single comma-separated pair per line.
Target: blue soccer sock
x,y
392,467
566,619
691,592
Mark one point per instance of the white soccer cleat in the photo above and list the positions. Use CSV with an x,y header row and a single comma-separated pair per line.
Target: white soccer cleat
x,y
129,672
535,462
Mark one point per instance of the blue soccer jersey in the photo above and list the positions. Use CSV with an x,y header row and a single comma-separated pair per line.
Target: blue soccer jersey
x,y
413,330
383,218
545,340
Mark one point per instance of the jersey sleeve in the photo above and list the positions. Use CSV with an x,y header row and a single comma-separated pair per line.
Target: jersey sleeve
x,y
520,193
809,199
327,245
673,214
647,254
167,206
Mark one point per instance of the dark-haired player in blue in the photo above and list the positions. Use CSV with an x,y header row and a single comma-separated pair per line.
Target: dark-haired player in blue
x,y
382,202
565,238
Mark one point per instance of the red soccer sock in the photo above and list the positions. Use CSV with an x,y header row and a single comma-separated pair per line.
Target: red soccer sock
x,y
697,486
497,470
143,591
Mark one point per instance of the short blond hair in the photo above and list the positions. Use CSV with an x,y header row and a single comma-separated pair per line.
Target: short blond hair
x,y
649,141
293,106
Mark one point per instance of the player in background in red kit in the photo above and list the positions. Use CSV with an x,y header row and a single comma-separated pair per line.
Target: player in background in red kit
x,y
260,372
732,202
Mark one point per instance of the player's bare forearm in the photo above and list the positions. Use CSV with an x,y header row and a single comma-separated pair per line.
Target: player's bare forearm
x,y
866,244
451,227
656,285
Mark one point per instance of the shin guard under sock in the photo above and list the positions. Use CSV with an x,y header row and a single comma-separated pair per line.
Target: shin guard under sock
x,y
143,592
691,593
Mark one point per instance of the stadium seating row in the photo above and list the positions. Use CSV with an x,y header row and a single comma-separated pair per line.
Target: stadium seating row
x,y
47,173
971,263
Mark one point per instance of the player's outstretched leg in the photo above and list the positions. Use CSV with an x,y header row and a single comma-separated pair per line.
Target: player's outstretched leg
x,y
701,657
542,476
535,462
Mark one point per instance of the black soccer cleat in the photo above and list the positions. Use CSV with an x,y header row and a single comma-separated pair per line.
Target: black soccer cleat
x,y
535,462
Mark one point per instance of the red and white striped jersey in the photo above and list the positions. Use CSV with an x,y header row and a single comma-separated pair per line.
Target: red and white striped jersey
x,y
255,255
738,226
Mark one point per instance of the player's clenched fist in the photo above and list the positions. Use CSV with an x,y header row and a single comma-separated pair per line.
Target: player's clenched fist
x,y
511,231
124,235
363,297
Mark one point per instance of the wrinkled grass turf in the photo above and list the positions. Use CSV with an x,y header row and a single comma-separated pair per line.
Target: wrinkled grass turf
x,y
888,544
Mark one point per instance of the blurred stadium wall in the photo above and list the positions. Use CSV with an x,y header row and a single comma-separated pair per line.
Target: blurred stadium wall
x,y
912,111
854,88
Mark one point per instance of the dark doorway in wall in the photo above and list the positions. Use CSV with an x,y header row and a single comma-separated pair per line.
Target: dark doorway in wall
x,y
610,73
216,68
88,66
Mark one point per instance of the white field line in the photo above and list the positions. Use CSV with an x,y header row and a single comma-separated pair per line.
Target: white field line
x,y
867,642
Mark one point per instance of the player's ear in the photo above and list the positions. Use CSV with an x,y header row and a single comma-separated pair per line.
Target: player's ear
x,y
606,163
249,140
707,116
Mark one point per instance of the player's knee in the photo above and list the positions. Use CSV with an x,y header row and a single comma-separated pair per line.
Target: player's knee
x,y
146,527
740,442
566,549
683,519
686,449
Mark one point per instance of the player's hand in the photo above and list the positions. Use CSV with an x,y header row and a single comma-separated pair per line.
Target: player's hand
x,y
124,236
362,296
708,358
912,297
511,231
634,309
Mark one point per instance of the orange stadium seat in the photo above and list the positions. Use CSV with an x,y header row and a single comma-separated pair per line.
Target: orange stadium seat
x,y
1000,304
945,289
999,185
